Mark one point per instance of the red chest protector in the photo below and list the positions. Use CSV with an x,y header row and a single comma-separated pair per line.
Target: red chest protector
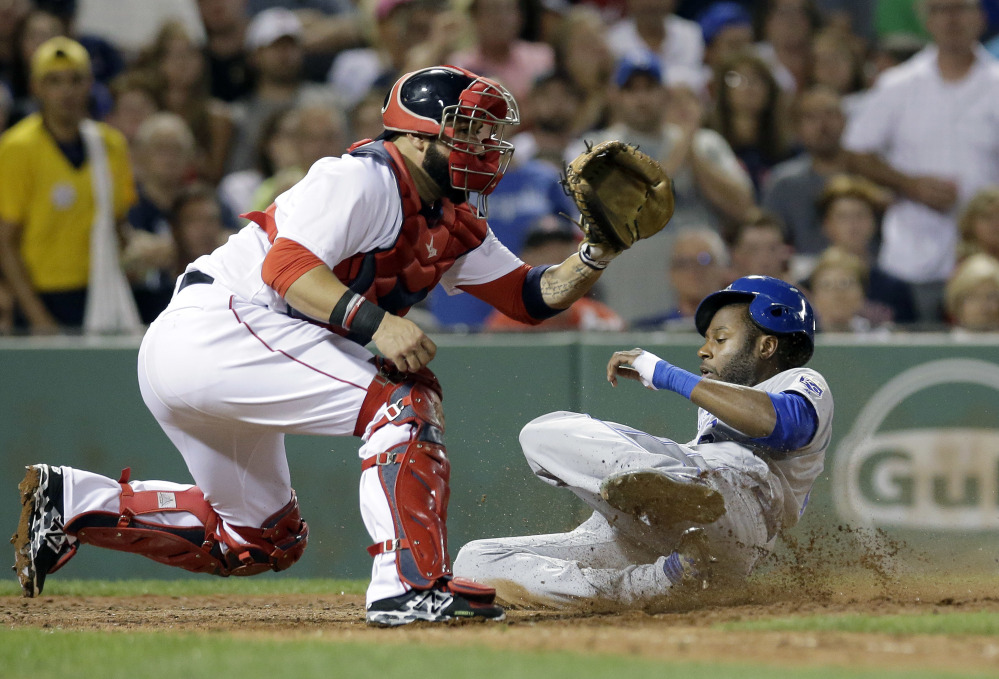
x,y
429,242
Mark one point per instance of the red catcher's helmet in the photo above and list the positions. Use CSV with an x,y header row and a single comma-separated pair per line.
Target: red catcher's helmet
x,y
468,113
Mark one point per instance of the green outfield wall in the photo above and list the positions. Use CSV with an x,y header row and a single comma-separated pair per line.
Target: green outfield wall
x,y
915,449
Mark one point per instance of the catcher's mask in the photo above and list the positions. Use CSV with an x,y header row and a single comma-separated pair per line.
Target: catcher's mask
x,y
775,306
468,113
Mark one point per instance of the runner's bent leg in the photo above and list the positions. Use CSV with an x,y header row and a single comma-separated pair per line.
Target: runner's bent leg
x,y
592,564
578,452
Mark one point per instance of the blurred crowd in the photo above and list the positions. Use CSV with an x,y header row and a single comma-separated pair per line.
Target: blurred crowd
x,y
848,146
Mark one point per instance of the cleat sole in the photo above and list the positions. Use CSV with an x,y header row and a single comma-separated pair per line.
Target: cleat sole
x,y
662,500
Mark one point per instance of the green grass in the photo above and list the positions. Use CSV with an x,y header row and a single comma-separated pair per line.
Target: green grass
x,y
191,587
387,654
950,623
30,654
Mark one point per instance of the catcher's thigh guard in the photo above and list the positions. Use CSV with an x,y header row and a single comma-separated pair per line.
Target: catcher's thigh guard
x,y
414,477
197,548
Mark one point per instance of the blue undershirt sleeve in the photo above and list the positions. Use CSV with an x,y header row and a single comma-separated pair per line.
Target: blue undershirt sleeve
x,y
533,301
668,376
797,423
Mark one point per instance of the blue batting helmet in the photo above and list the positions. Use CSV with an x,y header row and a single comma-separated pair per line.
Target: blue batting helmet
x,y
777,307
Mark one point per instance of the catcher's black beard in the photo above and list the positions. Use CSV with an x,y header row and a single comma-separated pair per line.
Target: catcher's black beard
x,y
437,166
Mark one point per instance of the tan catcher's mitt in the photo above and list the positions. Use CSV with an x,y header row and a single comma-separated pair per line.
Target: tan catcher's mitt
x,y
623,195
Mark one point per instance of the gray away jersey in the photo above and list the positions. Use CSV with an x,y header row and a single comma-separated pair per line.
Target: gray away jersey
x,y
796,469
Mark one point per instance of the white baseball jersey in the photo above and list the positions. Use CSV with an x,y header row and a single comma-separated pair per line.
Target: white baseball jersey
x,y
796,469
227,373
344,206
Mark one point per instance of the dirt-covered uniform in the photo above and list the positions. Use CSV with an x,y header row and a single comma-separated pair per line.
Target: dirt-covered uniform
x,y
623,557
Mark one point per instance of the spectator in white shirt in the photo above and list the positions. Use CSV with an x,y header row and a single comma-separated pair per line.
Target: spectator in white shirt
x,y
930,130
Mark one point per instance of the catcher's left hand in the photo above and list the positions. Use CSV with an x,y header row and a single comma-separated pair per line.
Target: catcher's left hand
x,y
623,195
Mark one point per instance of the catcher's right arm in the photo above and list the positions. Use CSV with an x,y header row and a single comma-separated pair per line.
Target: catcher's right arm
x,y
623,195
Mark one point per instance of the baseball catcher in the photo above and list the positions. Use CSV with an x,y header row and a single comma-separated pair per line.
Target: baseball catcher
x,y
623,196
268,336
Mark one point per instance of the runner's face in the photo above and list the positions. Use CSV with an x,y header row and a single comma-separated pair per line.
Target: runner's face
x,y
729,353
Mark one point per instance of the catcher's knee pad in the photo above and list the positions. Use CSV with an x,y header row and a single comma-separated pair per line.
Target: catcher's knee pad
x,y
192,548
415,477
393,389
276,545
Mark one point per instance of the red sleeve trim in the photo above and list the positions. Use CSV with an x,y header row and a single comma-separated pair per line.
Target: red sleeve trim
x,y
506,294
285,263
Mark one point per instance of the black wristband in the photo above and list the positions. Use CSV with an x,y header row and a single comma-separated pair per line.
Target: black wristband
x,y
340,310
356,315
369,316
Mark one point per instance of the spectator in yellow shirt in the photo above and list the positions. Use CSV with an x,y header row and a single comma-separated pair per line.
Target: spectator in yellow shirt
x,y
63,178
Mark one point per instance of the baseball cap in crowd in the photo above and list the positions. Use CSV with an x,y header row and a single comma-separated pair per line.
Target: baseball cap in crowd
x,y
645,63
271,25
59,54
721,15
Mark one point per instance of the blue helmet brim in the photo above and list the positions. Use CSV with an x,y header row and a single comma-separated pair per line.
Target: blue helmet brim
x,y
710,305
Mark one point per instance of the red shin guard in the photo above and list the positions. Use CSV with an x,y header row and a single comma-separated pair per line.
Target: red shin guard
x,y
275,546
414,475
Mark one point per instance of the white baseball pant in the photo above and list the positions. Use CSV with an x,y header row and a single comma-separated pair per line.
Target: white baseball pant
x,y
226,380
614,557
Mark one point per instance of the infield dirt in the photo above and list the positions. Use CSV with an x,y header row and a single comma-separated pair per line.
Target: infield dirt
x,y
848,572
690,634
